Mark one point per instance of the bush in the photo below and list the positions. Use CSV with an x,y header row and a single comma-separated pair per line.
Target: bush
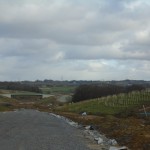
x,y
85,92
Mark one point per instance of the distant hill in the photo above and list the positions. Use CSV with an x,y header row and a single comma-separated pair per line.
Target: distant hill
x,y
82,82
32,85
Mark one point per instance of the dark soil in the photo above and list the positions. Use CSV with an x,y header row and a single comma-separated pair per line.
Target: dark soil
x,y
132,132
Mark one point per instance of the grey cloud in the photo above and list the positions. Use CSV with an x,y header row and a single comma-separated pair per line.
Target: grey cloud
x,y
53,21
45,35
27,47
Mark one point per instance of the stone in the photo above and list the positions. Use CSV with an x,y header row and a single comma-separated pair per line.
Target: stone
x,y
90,127
99,140
87,127
112,142
84,114
118,148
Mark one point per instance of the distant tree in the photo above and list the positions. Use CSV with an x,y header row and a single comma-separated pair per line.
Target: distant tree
x,y
19,86
85,92
134,87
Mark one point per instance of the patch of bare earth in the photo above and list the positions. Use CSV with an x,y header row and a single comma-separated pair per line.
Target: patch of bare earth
x,y
132,132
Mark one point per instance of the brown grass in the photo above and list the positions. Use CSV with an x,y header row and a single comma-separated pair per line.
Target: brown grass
x,y
132,132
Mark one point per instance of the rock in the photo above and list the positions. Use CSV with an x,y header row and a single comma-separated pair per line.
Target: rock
x,y
87,127
99,140
73,123
112,142
84,114
118,148
90,127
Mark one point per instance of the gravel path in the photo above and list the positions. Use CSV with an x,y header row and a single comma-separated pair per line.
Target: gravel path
x,y
33,130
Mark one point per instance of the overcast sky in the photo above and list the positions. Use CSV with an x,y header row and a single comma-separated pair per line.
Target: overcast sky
x,y
74,39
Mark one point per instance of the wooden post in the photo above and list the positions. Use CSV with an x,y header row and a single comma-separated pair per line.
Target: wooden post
x,y
145,111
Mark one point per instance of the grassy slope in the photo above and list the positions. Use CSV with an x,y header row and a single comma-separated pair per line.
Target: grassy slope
x,y
58,90
111,104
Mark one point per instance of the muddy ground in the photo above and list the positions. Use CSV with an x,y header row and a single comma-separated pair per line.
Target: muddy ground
x,y
132,132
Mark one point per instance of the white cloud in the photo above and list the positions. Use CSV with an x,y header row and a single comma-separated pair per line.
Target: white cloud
x,y
87,39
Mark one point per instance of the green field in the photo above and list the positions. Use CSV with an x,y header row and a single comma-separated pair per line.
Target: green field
x,y
15,92
58,90
111,104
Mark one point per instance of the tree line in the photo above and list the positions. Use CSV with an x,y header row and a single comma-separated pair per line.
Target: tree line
x,y
85,92
19,86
